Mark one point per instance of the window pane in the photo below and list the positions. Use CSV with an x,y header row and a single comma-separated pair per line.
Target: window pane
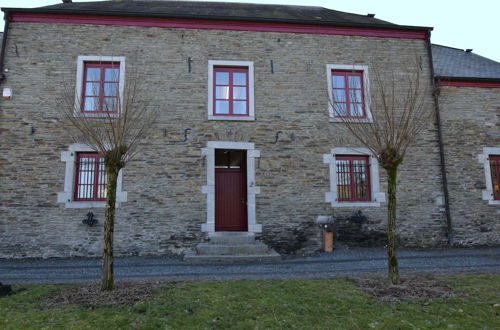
x,y
222,78
339,95
92,89
111,74
338,81
93,74
355,95
239,107
239,78
356,109
91,104
239,93
222,92
110,89
110,104
221,107
354,82
339,109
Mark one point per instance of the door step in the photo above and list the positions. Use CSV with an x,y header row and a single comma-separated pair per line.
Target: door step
x,y
232,246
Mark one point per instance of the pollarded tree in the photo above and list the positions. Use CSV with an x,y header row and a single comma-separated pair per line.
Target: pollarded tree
x,y
398,115
111,115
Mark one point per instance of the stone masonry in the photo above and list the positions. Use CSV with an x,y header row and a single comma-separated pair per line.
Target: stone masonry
x,y
471,121
166,207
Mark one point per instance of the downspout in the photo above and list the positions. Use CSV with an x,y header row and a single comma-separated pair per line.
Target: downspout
x,y
4,44
435,94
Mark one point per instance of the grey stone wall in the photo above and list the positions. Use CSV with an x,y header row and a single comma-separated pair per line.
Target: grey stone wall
x,y
471,121
165,207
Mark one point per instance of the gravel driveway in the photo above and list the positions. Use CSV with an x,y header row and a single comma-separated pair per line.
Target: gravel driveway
x,y
342,262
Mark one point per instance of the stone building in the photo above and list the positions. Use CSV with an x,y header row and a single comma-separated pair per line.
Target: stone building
x,y
247,143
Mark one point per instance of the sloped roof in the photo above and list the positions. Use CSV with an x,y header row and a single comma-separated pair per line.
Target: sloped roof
x,y
457,63
220,10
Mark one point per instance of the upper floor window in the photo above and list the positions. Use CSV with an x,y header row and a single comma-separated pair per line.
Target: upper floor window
x,y
353,178
495,175
90,177
230,90
99,85
348,91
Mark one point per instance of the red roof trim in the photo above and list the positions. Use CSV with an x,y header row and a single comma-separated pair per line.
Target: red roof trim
x,y
216,24
469,83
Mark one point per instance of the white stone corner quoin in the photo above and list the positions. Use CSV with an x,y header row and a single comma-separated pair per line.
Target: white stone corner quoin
x,y
376,195
67,196
209,188
483,158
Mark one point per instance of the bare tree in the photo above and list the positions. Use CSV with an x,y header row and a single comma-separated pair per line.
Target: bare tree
x,y
112,123
399,114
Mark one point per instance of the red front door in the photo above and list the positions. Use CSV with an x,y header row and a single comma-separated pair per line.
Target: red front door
x,y
231,199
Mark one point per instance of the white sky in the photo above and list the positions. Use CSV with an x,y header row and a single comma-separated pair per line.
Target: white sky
x,y
459,24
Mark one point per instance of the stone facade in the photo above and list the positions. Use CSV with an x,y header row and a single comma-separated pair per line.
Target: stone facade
x,y
471,122
165,206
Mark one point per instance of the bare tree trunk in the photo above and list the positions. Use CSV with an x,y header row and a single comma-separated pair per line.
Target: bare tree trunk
x,y
109,227
392,173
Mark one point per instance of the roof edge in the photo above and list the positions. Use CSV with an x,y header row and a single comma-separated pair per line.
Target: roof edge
x,y
206,17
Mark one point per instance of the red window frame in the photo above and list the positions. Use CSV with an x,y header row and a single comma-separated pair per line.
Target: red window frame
x,y
90,187
353,191
101,83
348,91
495,175
231,86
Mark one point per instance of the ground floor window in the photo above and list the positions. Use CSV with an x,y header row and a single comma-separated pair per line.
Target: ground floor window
x,y
490,158
495,176
85,179
90,183
354,178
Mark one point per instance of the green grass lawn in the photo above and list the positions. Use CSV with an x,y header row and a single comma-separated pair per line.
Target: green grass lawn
x,y
271,304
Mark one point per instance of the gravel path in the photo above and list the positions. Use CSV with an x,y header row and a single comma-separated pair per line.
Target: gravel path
x,y
342,262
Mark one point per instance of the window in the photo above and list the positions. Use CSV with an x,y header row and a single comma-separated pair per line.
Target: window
x,y
490,158
90,178
85,179
354,178
495,176
348,90
230,90
99,85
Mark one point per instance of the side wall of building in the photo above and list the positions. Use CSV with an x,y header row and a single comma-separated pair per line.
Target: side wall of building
x,y
471,122
165,206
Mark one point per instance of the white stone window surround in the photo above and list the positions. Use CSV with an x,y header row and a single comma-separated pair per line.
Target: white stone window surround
x,y
376,195
67,196
209,189
81,60
251,108
483,158
366,90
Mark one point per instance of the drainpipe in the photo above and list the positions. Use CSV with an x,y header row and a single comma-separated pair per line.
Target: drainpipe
x,y
4,44
435,94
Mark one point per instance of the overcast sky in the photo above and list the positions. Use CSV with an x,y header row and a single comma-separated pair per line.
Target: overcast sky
x,y
459,24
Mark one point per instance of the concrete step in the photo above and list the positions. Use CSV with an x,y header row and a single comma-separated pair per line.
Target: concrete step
x,y
271,255
231,249
228,237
